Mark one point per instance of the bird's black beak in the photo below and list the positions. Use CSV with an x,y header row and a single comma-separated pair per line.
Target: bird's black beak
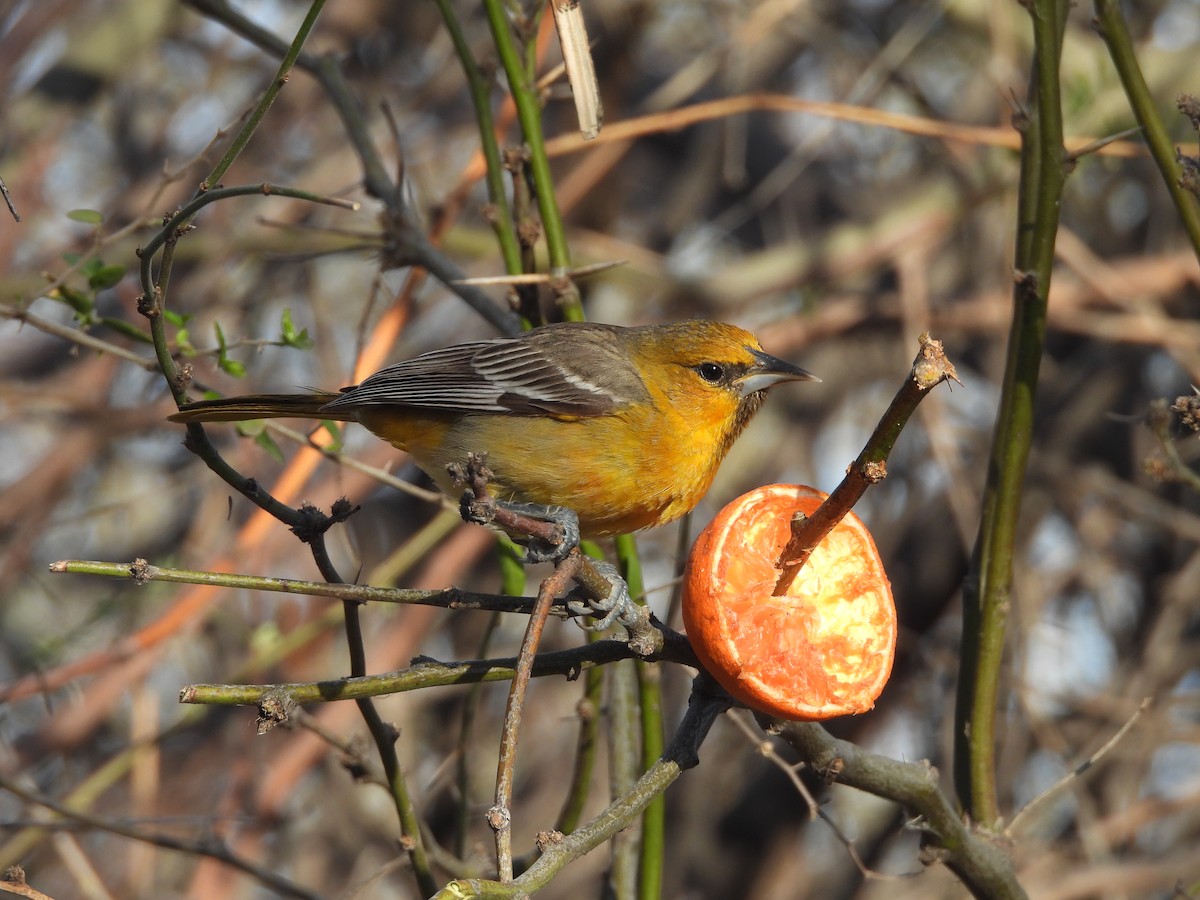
x,y
769,371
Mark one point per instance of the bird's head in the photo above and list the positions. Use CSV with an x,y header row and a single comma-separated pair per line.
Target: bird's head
x,y
714,372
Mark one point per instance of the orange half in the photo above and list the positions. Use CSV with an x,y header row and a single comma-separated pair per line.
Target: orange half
x,y
824,649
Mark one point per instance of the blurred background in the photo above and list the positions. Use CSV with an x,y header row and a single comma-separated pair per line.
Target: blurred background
x,y
836,242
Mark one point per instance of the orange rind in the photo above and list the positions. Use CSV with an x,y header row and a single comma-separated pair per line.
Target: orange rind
x,y
826,647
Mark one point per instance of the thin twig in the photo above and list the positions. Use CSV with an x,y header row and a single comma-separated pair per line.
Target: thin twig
x,y
559,850
1110,22
9,201
384,734
75,336
766,749
708,110
500,815
1014,827
930,368
429,673
1159,420
451,598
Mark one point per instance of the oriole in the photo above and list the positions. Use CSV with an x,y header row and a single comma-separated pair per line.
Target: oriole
x,y
625,426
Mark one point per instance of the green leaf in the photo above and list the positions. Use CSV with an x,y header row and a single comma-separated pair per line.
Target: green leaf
x,y
265,441
77,300
177,319
227,365
184,343
257,429
105,277
231,367
289,337
86,216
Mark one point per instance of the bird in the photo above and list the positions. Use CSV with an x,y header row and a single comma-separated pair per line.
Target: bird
x,y
625,426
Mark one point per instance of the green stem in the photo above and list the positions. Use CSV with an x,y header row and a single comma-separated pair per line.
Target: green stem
x,y
154,291
500,213
987,590
653,847
268,98
1114,31
465,811
564,663
624,764
586,746
450,598
529,114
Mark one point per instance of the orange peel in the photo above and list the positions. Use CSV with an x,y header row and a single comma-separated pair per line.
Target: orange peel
x,y
826,647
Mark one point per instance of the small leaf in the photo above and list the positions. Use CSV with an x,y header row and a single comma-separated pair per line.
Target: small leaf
x,y
302,341
184,343
232,367
86,216
290,338
286,325
265,441
227,365
177,318
77,300
105,277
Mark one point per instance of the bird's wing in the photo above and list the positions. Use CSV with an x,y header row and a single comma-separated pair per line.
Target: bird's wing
x,y
557,370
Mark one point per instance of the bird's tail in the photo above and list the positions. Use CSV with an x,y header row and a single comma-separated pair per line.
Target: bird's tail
x,y
262,406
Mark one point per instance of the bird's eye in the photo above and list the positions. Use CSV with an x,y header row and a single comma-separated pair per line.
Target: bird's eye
x,y
711,372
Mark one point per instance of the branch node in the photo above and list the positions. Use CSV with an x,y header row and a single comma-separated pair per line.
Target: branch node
x,y
498,817
274,709
547,839
141,571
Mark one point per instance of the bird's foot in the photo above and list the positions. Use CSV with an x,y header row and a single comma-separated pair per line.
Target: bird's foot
x,y
543,544
618,606
548,533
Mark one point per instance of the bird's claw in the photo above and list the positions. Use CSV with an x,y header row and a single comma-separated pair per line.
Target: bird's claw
x,y
538,549
618,606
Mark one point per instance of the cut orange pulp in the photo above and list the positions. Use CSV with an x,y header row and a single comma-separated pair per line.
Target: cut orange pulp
x,y
824,649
